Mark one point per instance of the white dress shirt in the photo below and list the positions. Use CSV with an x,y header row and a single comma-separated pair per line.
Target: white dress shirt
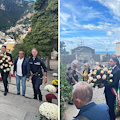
x,y
19,66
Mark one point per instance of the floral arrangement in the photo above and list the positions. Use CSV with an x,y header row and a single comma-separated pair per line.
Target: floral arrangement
x,y
100,74
49,110
55,74
5,63
50,88
55,83
49,97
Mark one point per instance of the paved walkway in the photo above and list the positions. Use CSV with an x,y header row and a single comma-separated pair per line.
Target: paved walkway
x,y
17,107
98,97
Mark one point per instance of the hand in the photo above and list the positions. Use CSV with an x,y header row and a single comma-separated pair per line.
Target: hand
x,y
45,80
31,73
101,85
27,79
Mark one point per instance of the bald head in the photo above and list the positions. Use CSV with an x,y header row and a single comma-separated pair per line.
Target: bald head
x,y
82,94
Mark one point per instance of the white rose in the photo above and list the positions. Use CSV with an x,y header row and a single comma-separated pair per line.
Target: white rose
x,y
98,68
111,75
91,78
8,69
4,70
92,84
105,69
102,71
109,71
3,58
94,72
98,76
97,63
6,65
10,63
1,61
1,67
104,77
8,58
103,66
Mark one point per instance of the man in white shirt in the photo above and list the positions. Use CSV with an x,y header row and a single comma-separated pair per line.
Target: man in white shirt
x,y
22,69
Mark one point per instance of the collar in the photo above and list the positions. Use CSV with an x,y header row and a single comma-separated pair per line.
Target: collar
x,y
114,67
86,107
20,59
4,53
34,58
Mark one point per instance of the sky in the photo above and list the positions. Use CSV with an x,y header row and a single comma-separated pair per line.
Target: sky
x,y
93,23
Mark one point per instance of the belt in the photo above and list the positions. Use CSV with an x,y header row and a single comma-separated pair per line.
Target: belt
x,y
36,74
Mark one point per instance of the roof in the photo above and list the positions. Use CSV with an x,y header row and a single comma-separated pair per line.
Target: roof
x,y
118,43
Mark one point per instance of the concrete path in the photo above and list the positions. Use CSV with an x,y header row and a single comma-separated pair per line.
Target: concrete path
x,y
17,107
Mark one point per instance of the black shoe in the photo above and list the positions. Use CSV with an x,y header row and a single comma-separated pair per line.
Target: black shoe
x,y
35,98
23,95
18,93
5,93
70,103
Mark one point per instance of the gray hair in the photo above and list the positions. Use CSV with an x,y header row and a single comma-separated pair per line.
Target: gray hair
x,y
83,91
74,62
87,65
34,49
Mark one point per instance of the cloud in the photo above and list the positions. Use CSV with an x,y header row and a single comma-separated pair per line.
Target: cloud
x,y
98,29
112,5
97,43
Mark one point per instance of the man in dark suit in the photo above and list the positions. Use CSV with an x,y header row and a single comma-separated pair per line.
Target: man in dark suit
x,y
5,74
88,110
110,97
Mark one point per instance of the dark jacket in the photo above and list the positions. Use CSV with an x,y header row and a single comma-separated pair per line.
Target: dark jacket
x,y
37,65
115,83
93,111
73,73
25,67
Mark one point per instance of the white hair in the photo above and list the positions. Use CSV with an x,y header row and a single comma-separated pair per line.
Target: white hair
x,y
34,49
83,91
74,62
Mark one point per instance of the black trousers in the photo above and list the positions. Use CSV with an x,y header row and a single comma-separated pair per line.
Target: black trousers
x,y
110,100
36,82
5,81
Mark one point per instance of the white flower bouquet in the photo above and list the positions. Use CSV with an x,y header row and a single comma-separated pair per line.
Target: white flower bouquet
x,y
100,74
49,110
50,88
5,63
55,74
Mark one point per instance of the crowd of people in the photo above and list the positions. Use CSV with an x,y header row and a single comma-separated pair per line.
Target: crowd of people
x,y
82,92
23,69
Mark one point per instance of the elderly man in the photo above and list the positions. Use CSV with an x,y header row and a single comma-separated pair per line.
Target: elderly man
x,y
88,110
36,65
22,69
